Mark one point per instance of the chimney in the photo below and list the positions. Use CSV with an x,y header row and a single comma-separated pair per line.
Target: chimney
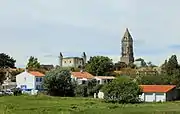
x,y
81,70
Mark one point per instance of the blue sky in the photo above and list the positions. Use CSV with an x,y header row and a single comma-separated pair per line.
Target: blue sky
x,y
43,28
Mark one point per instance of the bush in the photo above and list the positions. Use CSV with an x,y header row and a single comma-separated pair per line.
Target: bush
x,y
122,90
17,91
88,89
81,90
58,83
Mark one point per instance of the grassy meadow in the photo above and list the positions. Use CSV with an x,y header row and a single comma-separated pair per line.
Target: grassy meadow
x,y
58,105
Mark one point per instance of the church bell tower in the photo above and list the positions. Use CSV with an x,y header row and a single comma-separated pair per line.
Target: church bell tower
x,y
127,55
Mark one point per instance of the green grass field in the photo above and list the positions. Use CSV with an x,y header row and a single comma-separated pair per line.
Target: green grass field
x,y
59,105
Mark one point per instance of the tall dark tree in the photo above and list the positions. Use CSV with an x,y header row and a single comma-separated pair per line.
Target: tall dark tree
x,y
33,63
171,65
99,65
6,61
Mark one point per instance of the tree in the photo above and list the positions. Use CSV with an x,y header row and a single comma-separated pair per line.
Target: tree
x,y
81,90
33,63
122,90
171,65
2,76
153,79
58,82
6,61
120,65
99,65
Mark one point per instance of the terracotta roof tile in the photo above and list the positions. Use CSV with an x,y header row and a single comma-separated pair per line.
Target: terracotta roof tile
x,y
36,73
82,75
156,88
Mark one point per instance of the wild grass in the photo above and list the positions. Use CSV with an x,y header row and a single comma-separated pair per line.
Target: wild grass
x,y
65,105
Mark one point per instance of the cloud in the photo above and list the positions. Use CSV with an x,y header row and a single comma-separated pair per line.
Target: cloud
x,y
42,27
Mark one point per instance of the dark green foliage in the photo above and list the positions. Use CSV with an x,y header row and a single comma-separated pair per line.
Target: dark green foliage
x,y
81,90
122,90
170,74
88,89
33,63
2,76
119,65
99,65
132,65
6,61
152,79
58,83
17,91
91,84
171,65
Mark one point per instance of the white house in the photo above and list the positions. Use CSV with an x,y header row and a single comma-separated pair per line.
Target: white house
x,y
30,80
157,93
104,79
81,77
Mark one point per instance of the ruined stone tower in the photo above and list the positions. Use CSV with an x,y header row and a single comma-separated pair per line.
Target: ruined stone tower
x,y
127,55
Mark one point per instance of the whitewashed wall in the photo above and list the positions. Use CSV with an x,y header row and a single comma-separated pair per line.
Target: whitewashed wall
x,y
27,79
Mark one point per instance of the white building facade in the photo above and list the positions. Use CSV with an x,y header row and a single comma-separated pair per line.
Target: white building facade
x,y
30,80
158,93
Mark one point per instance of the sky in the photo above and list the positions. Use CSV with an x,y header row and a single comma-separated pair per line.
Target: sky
x,y
44,28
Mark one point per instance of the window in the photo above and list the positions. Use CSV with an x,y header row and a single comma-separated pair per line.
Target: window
x,y
69,61
40,79
37,79
98,81
83,82
64,61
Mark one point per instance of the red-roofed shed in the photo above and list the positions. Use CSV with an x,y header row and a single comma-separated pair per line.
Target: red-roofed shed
x,y
157,93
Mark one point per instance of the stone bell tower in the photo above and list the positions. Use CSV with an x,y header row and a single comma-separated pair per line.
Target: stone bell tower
x,y
127,55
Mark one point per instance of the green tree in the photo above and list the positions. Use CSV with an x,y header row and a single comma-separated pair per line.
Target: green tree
x,y
171,65
6,61
81,90
2,76
99,65
153,79
122,90
33,63
58,82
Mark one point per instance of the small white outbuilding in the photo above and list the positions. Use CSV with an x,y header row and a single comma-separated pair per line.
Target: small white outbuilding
x,y
158,93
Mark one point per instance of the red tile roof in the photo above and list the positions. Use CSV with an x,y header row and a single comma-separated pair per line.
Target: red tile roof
x,y
36,73
157,88
82,75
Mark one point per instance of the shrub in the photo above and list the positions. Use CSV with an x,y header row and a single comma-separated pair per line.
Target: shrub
x,y
81,90
122,90
58,83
